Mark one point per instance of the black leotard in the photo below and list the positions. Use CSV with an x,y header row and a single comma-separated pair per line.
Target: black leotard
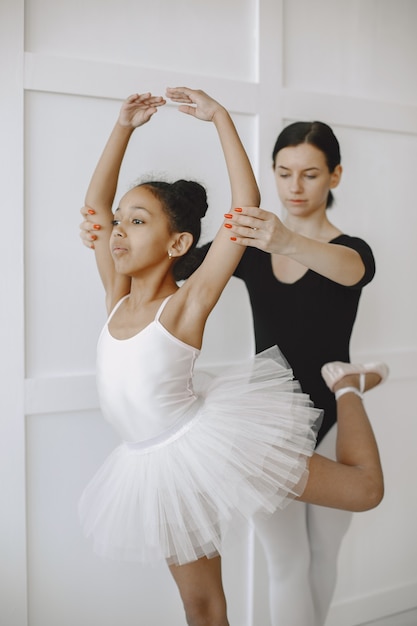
x,y
310,320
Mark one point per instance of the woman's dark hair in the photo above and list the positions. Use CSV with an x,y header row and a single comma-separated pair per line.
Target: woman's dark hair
x,y
317,134
185,202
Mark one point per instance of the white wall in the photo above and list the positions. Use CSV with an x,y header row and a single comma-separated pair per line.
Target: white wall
x,y
65,67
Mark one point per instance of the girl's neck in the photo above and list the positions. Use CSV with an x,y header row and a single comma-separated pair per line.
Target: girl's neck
x,y
144,292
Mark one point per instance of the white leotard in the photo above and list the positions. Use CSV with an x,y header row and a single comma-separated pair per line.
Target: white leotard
x,y
145,382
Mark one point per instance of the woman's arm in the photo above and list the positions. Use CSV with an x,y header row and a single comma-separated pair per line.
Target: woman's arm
x,y
339,263
135,111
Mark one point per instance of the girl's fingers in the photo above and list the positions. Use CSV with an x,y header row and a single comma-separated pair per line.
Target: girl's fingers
x,y
186,108
177,91
179,94
154,100
144,99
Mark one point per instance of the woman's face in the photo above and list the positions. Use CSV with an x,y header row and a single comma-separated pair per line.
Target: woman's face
x,y
303,179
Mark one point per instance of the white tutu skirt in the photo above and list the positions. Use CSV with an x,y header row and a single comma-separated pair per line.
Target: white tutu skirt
x,y
244,449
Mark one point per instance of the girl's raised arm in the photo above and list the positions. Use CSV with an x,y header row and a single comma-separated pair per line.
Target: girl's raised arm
x,y
209,280
136,111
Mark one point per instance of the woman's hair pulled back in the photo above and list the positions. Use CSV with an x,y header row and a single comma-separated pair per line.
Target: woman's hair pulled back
x,y
317,134
185,202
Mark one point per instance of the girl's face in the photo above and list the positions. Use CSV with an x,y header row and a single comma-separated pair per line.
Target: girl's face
x,y
303,179
141,236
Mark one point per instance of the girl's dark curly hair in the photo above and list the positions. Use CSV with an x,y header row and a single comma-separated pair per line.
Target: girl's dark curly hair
x,y
185,202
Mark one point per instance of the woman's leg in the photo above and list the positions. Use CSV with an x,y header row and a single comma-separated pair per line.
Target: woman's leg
x,y
201,589
287,551
302,543
355,481
326,528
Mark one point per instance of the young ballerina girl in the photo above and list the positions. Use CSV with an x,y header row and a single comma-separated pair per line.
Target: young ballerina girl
x,y
196,450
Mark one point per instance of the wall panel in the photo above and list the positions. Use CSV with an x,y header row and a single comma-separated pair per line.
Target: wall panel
x,y
186,35
68,584
361,48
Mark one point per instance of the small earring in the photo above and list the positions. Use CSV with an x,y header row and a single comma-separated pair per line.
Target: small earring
x,y
170,254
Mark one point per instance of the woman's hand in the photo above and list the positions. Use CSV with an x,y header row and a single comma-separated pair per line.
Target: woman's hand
x,y
139,108
88,228
250,226
194,102
255,227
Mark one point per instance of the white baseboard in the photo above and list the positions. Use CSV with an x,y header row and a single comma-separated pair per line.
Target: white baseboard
x,y
358,610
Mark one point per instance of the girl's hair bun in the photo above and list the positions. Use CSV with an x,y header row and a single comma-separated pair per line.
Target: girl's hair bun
x,y
193,194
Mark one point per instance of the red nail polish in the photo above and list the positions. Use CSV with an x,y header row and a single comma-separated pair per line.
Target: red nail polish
x,y
90,212
96,226
93,237
228,216
238,210
228,226
232,238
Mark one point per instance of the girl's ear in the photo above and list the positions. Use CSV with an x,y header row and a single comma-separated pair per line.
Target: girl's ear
x,y
335,176
181,245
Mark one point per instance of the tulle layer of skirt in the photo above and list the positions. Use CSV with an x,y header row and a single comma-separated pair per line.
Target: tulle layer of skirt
x,y
244,449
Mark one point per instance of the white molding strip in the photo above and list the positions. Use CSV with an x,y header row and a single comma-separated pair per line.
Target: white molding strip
x,y
386,602
13,519
82,77
62,394
348,111
402,363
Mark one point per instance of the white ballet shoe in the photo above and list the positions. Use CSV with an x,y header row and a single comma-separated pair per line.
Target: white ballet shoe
x,y
343,390
335,371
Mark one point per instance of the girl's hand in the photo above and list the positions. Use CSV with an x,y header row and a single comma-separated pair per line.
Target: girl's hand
x,y
89,228
139,108
255,227
194,102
